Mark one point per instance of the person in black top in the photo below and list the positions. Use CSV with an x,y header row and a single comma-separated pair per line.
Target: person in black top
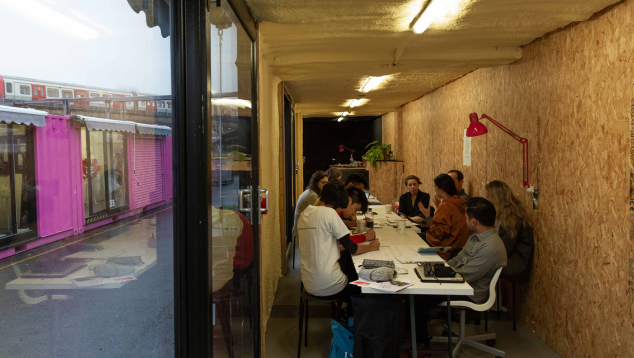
x,y
357,181
408,202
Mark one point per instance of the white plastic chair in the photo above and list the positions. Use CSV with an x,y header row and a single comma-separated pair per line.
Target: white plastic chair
x,y
472,341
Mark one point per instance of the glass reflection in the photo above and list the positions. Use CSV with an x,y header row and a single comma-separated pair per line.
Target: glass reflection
x,y
232,192
95,276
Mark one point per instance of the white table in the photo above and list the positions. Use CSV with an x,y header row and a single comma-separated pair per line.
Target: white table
x,y
389,238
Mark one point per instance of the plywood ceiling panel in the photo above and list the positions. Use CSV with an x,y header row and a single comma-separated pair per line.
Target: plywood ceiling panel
x,y
325,50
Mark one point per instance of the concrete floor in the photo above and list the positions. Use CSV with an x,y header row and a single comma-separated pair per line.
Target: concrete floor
x,y
134,320
282,328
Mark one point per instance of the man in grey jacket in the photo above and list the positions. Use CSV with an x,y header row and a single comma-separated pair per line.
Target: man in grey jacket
x,y
482,256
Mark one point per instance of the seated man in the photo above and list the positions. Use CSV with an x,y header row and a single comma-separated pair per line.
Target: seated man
x,y
483,254
458,178
320,231
408,203
357,181
358,203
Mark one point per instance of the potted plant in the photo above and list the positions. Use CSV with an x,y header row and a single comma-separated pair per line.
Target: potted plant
x,y
377,152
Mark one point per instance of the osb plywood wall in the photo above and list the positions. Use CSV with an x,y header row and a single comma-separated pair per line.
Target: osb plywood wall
x,y
385,180
270,244
571,95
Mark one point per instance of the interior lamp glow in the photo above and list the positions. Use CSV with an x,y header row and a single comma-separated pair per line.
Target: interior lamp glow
x,y
344,114
339,119
372,83
477,129
431,12
355,102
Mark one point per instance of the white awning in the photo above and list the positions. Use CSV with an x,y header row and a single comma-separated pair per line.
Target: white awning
x,y
23,116
107,125
152,129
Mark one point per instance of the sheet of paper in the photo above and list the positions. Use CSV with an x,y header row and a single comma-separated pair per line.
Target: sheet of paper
x,y
409,254
466,151
389,286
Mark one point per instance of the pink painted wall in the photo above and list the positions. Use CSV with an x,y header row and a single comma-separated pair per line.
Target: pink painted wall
x,y
54,175
168,188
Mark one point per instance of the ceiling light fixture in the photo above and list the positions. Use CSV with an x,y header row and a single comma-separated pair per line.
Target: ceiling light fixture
x,y
355,102
344,114
372,83
432,12
339,119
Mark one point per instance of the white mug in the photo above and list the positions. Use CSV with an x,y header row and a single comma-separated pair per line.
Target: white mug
x,y
401,225
388,209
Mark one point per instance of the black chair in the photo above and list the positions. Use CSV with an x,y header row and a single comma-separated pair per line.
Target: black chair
x,y
304,298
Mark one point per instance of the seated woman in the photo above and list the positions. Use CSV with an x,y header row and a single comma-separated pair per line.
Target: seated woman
x,y
448,227
514,229
319,232
309,196
333,174
408,203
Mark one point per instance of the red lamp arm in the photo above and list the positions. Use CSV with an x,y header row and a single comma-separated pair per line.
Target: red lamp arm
x,y
523,141
343,146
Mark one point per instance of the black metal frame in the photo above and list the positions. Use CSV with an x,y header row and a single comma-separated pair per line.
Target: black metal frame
x,y
191,95
15,237
108,212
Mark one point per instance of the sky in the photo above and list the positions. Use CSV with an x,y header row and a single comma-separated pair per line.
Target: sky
x,y
92,43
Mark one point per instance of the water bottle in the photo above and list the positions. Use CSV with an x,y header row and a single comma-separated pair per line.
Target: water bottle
x,y
369,218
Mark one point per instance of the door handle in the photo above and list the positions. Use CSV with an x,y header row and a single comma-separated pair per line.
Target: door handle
x,y
241,194
266,201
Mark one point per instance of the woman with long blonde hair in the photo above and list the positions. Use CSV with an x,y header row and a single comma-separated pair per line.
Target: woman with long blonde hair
x,y
514,226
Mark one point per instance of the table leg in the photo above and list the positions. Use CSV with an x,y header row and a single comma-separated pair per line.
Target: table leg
x,y
449,326
413,325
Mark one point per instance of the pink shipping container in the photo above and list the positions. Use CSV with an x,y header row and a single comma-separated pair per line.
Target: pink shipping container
x,y
61,174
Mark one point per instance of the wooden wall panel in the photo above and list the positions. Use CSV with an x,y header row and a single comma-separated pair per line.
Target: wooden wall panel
x,y
571,95
385,180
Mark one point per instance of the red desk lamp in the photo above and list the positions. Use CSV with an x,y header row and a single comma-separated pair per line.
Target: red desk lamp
x,y
477,129
342,147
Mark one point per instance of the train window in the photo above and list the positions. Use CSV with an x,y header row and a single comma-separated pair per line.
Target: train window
x,y
169,104
106,95
9,87
142,104
52,92
25,89
67,93
94,94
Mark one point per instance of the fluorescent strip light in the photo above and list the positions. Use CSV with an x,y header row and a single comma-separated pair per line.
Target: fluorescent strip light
x,y
372,83
240,103
339,119
431,13
344,114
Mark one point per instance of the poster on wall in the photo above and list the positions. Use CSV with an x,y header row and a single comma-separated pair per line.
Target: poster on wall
x,y
466,151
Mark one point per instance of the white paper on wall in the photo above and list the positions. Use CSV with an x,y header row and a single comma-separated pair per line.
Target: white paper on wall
x,y
466,152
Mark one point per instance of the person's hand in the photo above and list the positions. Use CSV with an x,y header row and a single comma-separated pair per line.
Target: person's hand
x,y
404,217
374,245
425,210
370,235
437,201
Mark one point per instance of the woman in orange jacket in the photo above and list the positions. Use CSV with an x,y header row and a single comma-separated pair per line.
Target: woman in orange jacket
x,y
448,226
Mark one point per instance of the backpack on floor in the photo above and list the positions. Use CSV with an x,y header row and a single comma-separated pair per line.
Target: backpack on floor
x,y
342,340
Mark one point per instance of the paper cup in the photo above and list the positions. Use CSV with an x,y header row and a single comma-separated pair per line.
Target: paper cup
x,y
400,226
388,209
360,225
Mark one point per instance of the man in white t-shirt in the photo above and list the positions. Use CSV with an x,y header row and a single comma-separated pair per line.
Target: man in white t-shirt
x,y
319,231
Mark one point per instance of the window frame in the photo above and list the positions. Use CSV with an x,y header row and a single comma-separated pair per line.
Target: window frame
x,y
16,237
8,87
28,90
48,95
91,216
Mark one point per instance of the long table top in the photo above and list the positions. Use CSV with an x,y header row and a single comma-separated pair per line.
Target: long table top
x,y
392,242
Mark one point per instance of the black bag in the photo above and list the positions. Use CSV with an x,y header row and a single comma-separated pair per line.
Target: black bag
x,y
378,321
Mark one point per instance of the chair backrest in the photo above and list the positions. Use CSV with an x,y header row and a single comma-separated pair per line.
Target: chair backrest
x,y
489,303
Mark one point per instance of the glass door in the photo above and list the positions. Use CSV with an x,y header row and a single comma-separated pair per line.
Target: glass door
x,y
235,199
